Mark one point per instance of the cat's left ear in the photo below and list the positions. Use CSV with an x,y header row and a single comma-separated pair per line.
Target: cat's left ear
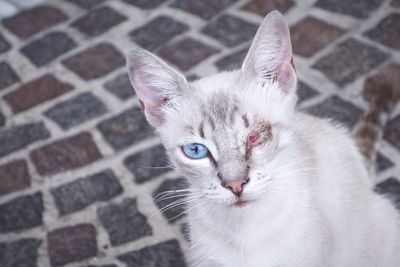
x,y
157,85
270,55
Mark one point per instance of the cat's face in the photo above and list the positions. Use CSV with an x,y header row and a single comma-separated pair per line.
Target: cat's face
x,y
225,133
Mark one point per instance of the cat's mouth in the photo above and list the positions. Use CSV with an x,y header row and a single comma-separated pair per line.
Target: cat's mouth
x,y
240,202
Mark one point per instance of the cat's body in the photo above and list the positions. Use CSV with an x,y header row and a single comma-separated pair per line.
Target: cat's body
x,y
277,188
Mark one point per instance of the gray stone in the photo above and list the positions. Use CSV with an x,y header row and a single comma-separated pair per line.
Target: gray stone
x,y
120,86
148,164
79,194
145,4
4,45
165,254
304,91
205,8
76,110
124,222
21,213
87,4
383,163
356,8
20,253
232,61
7,75
390,188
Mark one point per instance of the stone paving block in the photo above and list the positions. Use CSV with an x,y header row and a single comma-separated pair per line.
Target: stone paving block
x,y
148,164
47,48
76,110
387,31
230,31
98,21
395,3
36,92
145,4
21,213
121,87
71,244
108,265
66,154
311,35
87,4
205,8
357,8
186,53
157,32
165,254
167,207
2,120
392,132
262,7
304,91
34,20
79,194
390,188
7,75
20,136
20,253
14,176
128,128
4,44
383,163
343,66
337,109
95,61
232,61
124,222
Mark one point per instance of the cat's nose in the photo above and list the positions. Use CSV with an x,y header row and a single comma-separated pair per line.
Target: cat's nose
x,y
236,186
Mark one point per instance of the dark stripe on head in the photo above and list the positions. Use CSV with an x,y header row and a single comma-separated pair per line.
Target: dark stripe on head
x,y
246,121
201,129
233,112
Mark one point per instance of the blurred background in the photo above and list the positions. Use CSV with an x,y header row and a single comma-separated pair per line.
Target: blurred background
x,y
80,167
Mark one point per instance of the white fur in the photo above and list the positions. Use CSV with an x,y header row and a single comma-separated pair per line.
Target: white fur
x,y
310,200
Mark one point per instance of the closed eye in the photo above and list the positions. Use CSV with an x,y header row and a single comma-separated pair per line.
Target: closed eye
x,y
195,151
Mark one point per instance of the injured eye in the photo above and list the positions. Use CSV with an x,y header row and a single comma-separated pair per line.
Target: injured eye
x,y
195,151
253,139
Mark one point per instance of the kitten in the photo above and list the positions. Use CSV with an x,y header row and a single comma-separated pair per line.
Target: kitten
x,y
269,186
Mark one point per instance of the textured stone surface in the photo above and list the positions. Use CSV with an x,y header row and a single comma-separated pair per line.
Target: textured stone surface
x,y
355,8
87,4
395,3
36,92
98,21
232,61
21,213
205,8
311,35
32,21
124,222
70,153
166,202
72,244
120,86
2,120
387,31
125,129
337,109
4,44
305,92
230,30
148,164
76,110
20,253
95,61
343,66
145,4
392,132
390,188
20,136
166,254
157,32
7,75
383,163
14,176
262,7
47,48
79,194
186,53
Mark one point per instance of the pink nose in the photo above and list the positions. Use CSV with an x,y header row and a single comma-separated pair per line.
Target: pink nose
x,y
236,186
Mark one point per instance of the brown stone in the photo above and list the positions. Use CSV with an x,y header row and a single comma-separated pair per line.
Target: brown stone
x,y
14,176
387,31
262,7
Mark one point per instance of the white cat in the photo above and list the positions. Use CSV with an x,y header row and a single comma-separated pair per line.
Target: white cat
x,y
269,186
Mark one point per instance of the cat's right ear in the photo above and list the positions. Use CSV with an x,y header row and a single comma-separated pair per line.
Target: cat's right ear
x,y
156,84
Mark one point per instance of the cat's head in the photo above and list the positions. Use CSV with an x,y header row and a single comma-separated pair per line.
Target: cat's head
x,y
225,132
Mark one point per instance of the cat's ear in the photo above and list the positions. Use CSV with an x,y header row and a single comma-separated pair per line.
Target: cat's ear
x,y
156,84
270,54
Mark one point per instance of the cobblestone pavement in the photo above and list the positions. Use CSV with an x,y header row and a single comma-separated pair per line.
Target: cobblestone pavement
x,y
79,166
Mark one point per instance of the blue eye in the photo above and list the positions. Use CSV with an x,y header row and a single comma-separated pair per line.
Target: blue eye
x,y
195,151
